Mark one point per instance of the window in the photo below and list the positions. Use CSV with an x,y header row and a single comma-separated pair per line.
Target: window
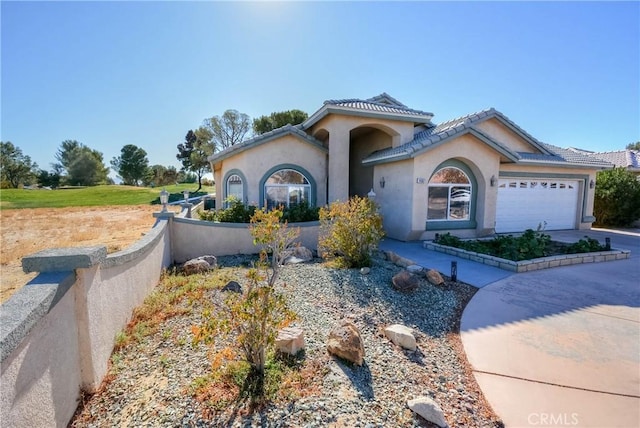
x,y
286,187
234,187
449,195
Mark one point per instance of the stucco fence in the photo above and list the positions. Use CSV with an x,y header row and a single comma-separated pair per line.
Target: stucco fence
x,y
58,331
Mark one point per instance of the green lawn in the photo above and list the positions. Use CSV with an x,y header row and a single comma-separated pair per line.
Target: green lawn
x,y
91,196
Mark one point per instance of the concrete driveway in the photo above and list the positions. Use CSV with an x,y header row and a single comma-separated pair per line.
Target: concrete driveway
x,y
561,347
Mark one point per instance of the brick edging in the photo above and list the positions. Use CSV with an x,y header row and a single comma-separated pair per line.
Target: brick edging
x,y
533,264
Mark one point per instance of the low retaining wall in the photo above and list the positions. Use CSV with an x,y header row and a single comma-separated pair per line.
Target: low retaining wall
x,y
533,264
57,332
192,238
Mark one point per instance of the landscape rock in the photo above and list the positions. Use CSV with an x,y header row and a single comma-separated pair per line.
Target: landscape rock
x,y
195,266
434,277
233,286
365,271
405,281
212,260
429,410
290,340
401,335
298,254
345,342
415,269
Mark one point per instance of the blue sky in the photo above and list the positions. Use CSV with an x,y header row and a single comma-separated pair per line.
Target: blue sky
x,y
114,73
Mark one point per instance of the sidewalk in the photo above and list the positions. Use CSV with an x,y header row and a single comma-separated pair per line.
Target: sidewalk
x,y
476,274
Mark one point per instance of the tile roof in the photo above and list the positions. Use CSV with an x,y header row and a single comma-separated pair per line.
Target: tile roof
x,y
424,140
383,103
573,157
295,130
620,158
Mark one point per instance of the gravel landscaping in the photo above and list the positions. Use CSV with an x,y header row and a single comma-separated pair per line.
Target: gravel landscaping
x,y
151,380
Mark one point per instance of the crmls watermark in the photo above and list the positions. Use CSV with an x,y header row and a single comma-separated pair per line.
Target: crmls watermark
x,y
553,419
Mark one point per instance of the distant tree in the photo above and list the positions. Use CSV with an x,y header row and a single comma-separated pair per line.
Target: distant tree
x,y
159,175
80,165
633,146
195,150
132,165
187,177
48,178
277,120
229,129
16,168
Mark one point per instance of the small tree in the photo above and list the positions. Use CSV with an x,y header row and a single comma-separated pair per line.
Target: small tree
x,y
132,165
278,119
617,198
228,129
256,315
350,231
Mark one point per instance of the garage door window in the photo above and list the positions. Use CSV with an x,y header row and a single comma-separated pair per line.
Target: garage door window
x,y
449,195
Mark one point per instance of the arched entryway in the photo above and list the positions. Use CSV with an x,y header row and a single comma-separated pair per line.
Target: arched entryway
x,y
363,141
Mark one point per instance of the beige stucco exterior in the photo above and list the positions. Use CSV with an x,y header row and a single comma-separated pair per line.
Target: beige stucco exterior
x,y
254,164
491,149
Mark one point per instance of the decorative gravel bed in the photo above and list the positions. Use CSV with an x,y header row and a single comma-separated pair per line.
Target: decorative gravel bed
x,y
149,382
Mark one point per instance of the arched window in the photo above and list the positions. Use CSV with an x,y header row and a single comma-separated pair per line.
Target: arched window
x,y
234,187
449,195
286,187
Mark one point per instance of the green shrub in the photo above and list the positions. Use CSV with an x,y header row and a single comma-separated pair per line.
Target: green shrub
x,y
350,231
532,244
617,198
238,212
300,212
586,245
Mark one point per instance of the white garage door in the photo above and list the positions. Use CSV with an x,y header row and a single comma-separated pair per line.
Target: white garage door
x,y
526,203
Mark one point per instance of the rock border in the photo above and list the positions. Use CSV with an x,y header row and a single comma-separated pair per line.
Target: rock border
x,y
533,264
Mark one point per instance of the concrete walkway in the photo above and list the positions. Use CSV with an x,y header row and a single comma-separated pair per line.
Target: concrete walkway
x,y
557,347
472,273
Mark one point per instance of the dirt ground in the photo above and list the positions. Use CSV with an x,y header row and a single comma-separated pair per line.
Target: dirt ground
x,y
26,231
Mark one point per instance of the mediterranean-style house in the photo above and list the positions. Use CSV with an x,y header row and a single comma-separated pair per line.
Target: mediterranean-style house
x,y
473,176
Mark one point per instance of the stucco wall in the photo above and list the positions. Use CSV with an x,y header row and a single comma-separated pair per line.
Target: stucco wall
x,y
339,128
58,331
256,162
39,384
193,238
499,132
483,163
395,199
361,177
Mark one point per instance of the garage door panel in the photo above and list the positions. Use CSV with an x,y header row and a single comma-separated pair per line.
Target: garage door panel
x,y
526,204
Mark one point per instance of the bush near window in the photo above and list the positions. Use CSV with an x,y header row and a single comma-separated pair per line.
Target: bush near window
x,y
617,198
238,212
350,231
531,245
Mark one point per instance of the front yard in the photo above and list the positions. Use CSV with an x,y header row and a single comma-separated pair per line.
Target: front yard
x,y
159,377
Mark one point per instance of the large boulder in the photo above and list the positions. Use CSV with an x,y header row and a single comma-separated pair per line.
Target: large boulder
x,y
428,409
401,336
405,281
199,265
345,342
434,277
290,340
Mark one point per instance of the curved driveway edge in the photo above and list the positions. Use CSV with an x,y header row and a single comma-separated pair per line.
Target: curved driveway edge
x,y
561,347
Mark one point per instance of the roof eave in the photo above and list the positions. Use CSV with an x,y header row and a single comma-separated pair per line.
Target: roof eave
x,y
333,109
565,164
238,148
